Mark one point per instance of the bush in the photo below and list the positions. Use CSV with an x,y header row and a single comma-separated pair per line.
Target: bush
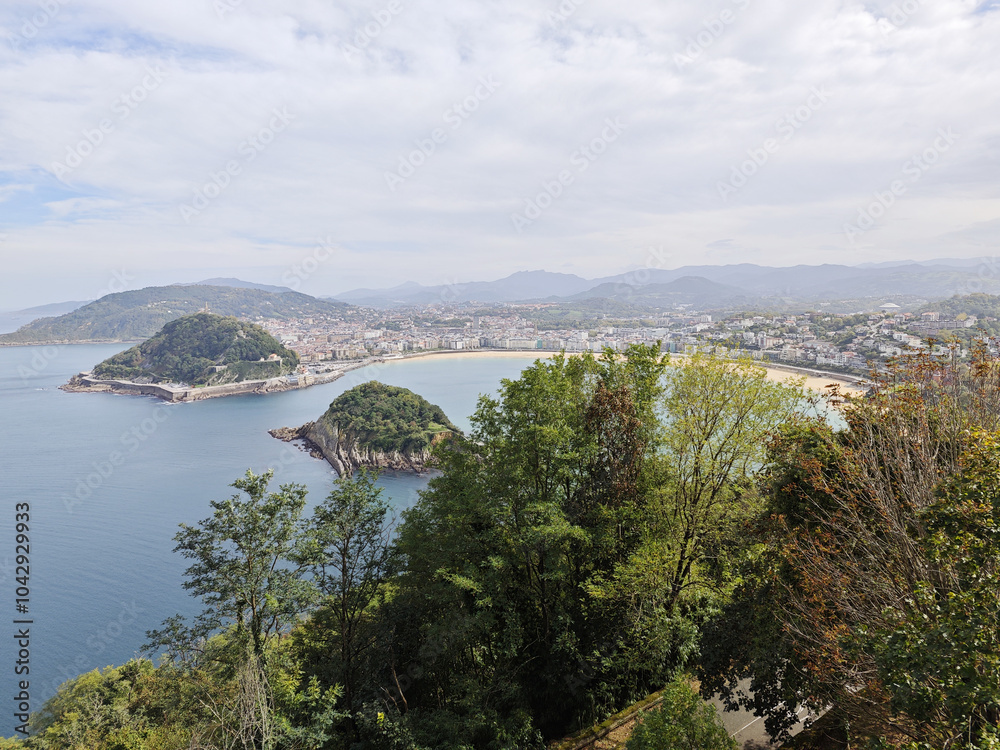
x,y
683,721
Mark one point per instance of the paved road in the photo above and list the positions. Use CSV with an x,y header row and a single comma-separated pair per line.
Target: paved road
x,y
747,728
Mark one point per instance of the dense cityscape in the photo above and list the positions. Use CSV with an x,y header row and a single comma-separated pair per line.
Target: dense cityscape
x,y
845,343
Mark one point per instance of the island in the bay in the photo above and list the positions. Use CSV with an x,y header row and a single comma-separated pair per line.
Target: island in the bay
x,y
374,425
197,356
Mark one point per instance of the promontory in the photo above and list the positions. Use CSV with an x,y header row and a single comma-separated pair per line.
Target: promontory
x,y
374,425
200,351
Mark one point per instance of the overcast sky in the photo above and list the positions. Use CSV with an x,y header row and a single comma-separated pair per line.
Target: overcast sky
x,y
443,141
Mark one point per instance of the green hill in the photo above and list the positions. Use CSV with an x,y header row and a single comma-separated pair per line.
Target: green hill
x,y
978,304
202,349
139,314
386,418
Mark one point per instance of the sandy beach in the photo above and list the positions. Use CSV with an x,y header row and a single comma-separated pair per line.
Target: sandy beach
x,y
817,383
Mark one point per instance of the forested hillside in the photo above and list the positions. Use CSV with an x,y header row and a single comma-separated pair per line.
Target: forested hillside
x,y
137,315
986,307
202,349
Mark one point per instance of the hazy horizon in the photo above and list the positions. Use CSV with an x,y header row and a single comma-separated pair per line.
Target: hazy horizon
x,y
401,140
124,282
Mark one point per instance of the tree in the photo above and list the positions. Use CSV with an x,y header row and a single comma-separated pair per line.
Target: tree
x,y
684,721
717,417
242,569
350,556
494,616
861,581
939,656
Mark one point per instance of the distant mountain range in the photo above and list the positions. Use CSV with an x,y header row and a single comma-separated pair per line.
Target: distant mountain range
x,y
523,285
11,321
744,284
139,314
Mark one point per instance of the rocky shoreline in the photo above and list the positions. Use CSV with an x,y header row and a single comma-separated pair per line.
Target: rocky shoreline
x,y
343,452
84,384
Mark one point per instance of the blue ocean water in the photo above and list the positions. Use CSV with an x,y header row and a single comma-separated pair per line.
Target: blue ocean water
x,y
109,478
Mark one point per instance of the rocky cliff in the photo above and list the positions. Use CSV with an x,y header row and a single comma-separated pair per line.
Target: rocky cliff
x,y
346,454
377,425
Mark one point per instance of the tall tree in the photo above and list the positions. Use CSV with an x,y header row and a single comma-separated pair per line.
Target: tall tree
x,y
350,555
243,567
540,499
718,415
852,553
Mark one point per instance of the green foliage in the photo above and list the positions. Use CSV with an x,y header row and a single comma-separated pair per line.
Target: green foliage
x,y
387,418
718,415
173,707
940,660
978,304
559,568
493,619
349,554
746,640
872,586
187,349
132,706
239,568
683,722
139,314
836,327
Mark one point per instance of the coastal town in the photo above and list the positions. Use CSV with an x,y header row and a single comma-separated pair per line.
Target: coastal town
x,y
845,344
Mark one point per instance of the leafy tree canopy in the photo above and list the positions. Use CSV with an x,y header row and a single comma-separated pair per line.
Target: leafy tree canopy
x,y
387,418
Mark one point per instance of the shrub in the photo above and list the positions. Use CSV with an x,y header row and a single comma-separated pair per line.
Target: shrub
x,y
684,721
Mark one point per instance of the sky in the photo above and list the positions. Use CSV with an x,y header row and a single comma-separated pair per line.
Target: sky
x,y
326,146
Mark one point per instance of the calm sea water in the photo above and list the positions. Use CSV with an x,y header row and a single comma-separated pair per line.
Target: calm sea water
x,y
109,478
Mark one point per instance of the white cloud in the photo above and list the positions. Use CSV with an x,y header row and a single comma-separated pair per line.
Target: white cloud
x,y
165,98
